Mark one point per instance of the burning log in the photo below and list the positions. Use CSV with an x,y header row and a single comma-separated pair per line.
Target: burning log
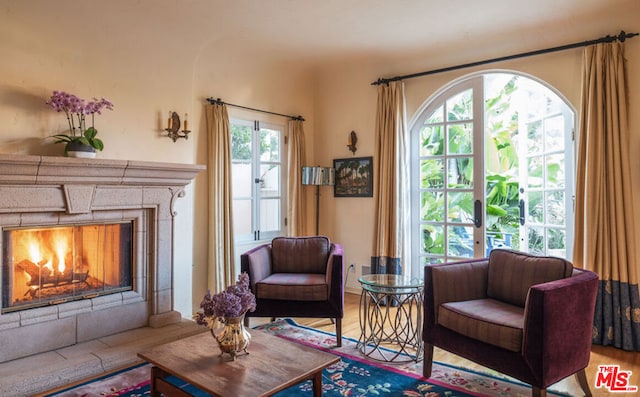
x,y
41,277
65,277
31,268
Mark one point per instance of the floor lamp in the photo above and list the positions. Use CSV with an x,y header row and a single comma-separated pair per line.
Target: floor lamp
x,y
318,176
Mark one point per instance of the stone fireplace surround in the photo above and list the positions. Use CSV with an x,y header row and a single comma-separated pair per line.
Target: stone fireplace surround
x,y
46,191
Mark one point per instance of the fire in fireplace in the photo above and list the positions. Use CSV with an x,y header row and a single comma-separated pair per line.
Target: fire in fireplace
x,y
50,265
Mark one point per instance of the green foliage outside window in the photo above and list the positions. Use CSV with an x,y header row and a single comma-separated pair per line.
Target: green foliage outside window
x,y
501,170
545,171
240,142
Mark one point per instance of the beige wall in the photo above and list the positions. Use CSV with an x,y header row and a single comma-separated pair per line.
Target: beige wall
x,y
150,57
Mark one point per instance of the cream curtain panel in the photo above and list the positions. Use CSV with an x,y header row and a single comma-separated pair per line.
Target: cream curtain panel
x,y
221,256
605,237
391,192
296,210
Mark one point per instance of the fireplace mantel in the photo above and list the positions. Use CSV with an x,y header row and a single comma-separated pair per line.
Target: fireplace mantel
x,y
46,170
70,184
46,191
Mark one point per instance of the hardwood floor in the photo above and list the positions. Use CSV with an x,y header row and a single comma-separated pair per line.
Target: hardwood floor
x,y
628,361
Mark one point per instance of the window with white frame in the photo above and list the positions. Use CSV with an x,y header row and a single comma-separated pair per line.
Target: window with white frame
x,y
492,159
258,179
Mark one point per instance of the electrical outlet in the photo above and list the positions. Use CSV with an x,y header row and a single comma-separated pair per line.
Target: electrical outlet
x,y
352,268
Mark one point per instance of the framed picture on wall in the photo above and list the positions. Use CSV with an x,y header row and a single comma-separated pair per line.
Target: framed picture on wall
x,y
354,177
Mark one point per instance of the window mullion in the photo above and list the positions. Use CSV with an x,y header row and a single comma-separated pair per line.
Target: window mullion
x,y
479,183
255,161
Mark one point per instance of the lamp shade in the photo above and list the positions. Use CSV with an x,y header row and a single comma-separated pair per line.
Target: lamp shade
x,y
318,176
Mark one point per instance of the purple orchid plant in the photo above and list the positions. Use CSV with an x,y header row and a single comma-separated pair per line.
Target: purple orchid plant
x,y
234,301
76,110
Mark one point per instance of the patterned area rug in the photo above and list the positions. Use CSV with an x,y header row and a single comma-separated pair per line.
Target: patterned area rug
x,y
352,376
472,382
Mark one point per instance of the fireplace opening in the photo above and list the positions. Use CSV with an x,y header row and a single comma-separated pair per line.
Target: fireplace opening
x,y
52,265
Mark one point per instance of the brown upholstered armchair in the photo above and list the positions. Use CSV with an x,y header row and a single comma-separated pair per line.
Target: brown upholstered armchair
x,y
297,277
526,316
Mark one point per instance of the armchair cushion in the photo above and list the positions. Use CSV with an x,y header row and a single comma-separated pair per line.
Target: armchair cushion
x,y
294,287
487,320
300,254
512,273
459,282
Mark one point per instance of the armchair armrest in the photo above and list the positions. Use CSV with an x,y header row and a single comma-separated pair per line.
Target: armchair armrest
x,y
335,271
560,313
257,263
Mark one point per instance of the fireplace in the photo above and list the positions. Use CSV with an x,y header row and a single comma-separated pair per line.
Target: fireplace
x,y
51,265
86,248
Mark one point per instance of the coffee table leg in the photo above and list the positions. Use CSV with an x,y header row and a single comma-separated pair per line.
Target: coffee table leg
x,y
317,384
155,374
160,387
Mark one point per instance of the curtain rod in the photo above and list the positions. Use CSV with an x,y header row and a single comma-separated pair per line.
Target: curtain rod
x,y
219,101
607,39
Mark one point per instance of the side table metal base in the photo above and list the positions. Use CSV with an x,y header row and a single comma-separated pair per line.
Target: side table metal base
x,y
391,324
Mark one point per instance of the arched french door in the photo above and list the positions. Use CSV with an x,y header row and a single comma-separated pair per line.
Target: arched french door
x,y
492,166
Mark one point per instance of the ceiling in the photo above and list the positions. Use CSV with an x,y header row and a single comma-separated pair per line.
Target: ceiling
x,y
332,29
317,31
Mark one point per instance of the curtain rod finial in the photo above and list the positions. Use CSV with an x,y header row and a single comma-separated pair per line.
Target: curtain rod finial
x,y
624,35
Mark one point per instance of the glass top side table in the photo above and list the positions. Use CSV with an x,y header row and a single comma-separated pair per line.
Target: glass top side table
x,y
391,318
390,281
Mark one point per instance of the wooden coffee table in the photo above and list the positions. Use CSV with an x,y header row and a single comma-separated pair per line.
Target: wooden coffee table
x,y
273,364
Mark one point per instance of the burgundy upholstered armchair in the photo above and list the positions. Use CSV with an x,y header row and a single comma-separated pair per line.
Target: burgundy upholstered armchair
x,y
297,277
526,316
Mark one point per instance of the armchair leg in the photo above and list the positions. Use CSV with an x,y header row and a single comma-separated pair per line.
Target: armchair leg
x,y
538,392
427,362
339,331
581,376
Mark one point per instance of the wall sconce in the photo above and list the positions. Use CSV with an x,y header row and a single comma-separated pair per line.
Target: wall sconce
x,y
173,127
353,138
318,176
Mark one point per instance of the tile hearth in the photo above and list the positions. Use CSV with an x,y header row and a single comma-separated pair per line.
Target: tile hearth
x,y
42,372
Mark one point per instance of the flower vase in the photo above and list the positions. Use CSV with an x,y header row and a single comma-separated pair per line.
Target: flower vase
x,y
234,337
77,149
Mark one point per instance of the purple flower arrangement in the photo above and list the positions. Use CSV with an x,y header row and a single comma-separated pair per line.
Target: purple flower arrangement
x,y
76,109
235,301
